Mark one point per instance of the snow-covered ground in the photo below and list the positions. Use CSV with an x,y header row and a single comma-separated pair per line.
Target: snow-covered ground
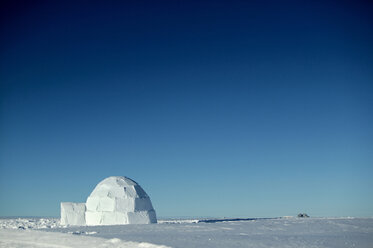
x,y
37,239
29,223
282,232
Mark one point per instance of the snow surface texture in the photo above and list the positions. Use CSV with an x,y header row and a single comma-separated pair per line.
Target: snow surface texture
x,y
29,223
38,239
114,201
280,232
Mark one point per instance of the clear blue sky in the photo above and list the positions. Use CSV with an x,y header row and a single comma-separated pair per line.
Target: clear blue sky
x,y
217,108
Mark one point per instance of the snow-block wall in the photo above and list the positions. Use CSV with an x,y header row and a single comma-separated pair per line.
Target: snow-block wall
x,y
73,213
114,201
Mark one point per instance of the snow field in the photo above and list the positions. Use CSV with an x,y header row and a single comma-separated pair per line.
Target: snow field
x,y
212,233
38,239
29,223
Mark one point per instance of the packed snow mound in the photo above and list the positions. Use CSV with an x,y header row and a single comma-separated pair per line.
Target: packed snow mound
x,y
114,201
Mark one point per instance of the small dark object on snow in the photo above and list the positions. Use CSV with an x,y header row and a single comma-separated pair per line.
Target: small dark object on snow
x,y
303,215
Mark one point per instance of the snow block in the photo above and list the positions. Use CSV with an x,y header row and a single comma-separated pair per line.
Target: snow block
x,y
100,204
125,204
92,218
143,204
73,213
113,218
142,217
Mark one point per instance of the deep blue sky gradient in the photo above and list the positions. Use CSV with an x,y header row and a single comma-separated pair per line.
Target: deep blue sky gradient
x,y
217,108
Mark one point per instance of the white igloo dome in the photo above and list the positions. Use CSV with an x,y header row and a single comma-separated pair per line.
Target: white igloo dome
x,y
119,200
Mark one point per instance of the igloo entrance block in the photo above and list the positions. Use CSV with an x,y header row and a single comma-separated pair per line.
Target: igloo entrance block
x,y
73,213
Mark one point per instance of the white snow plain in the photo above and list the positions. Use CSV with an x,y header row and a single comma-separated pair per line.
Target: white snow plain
x,y
278,232
37,239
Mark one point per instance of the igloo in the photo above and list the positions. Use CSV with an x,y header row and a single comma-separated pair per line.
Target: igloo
x,y
114,201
